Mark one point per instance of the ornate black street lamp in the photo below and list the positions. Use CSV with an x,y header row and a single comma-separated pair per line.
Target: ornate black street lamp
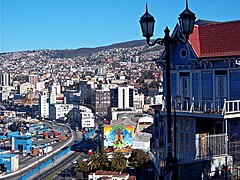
x,y
186,23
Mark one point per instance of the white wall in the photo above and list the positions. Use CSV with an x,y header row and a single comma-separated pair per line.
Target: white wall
x,y
40,86
59,111
43,105
145,146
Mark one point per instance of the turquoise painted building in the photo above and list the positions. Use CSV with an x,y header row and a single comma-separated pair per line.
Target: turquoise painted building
x,y
9,162
21,142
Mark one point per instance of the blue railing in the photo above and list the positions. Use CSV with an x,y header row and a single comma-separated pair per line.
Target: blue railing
x,y
41,166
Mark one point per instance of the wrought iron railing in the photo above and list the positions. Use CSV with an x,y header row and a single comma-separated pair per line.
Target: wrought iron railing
x,y
234,151
222,173
211,145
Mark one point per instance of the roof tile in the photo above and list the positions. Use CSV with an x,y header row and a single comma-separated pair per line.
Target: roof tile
x,y
216,40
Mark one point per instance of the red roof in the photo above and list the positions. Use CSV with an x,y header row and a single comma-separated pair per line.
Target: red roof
x,y
216,39
105,172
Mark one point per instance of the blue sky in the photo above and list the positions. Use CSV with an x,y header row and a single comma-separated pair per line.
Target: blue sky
x,y
69,24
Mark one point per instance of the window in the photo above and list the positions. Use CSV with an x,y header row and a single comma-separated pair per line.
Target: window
x,y
221,86
184,87
221,72
183,53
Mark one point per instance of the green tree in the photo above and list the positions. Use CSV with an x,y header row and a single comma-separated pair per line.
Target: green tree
x,y
105,163
118,163
82,167
94,162
82,170
99,161
138,158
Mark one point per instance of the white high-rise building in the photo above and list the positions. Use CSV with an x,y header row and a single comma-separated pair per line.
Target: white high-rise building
x,y
5,79
55,90
43,105
52,98
122,97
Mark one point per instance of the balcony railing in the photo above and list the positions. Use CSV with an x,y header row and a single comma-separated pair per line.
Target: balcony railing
x,y
211,145
206,147
223,106
231,107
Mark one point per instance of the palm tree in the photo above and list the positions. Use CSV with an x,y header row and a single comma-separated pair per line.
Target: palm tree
x,y
118,162
82,167
82,170
94,162
105,163
99,161
138,157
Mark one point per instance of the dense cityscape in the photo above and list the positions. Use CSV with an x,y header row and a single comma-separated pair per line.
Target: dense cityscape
x,y
39,87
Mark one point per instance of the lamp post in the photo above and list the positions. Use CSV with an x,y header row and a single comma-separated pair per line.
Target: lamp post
x,y
186,23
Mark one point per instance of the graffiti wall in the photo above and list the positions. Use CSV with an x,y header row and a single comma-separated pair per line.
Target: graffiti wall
x,y
118,138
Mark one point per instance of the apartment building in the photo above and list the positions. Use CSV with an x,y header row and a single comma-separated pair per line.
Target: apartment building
x,y
101,101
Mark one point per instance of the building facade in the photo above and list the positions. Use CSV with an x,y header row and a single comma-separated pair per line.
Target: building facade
x,y
33,79
43,104
138,102
122,97
5,79
101,101
82,118
205,88
59,111
85,89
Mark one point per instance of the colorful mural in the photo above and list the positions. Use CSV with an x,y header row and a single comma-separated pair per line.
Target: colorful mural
x,y
118,138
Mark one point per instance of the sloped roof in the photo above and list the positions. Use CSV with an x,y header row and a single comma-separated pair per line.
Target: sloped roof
x,y
124,122
213,39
